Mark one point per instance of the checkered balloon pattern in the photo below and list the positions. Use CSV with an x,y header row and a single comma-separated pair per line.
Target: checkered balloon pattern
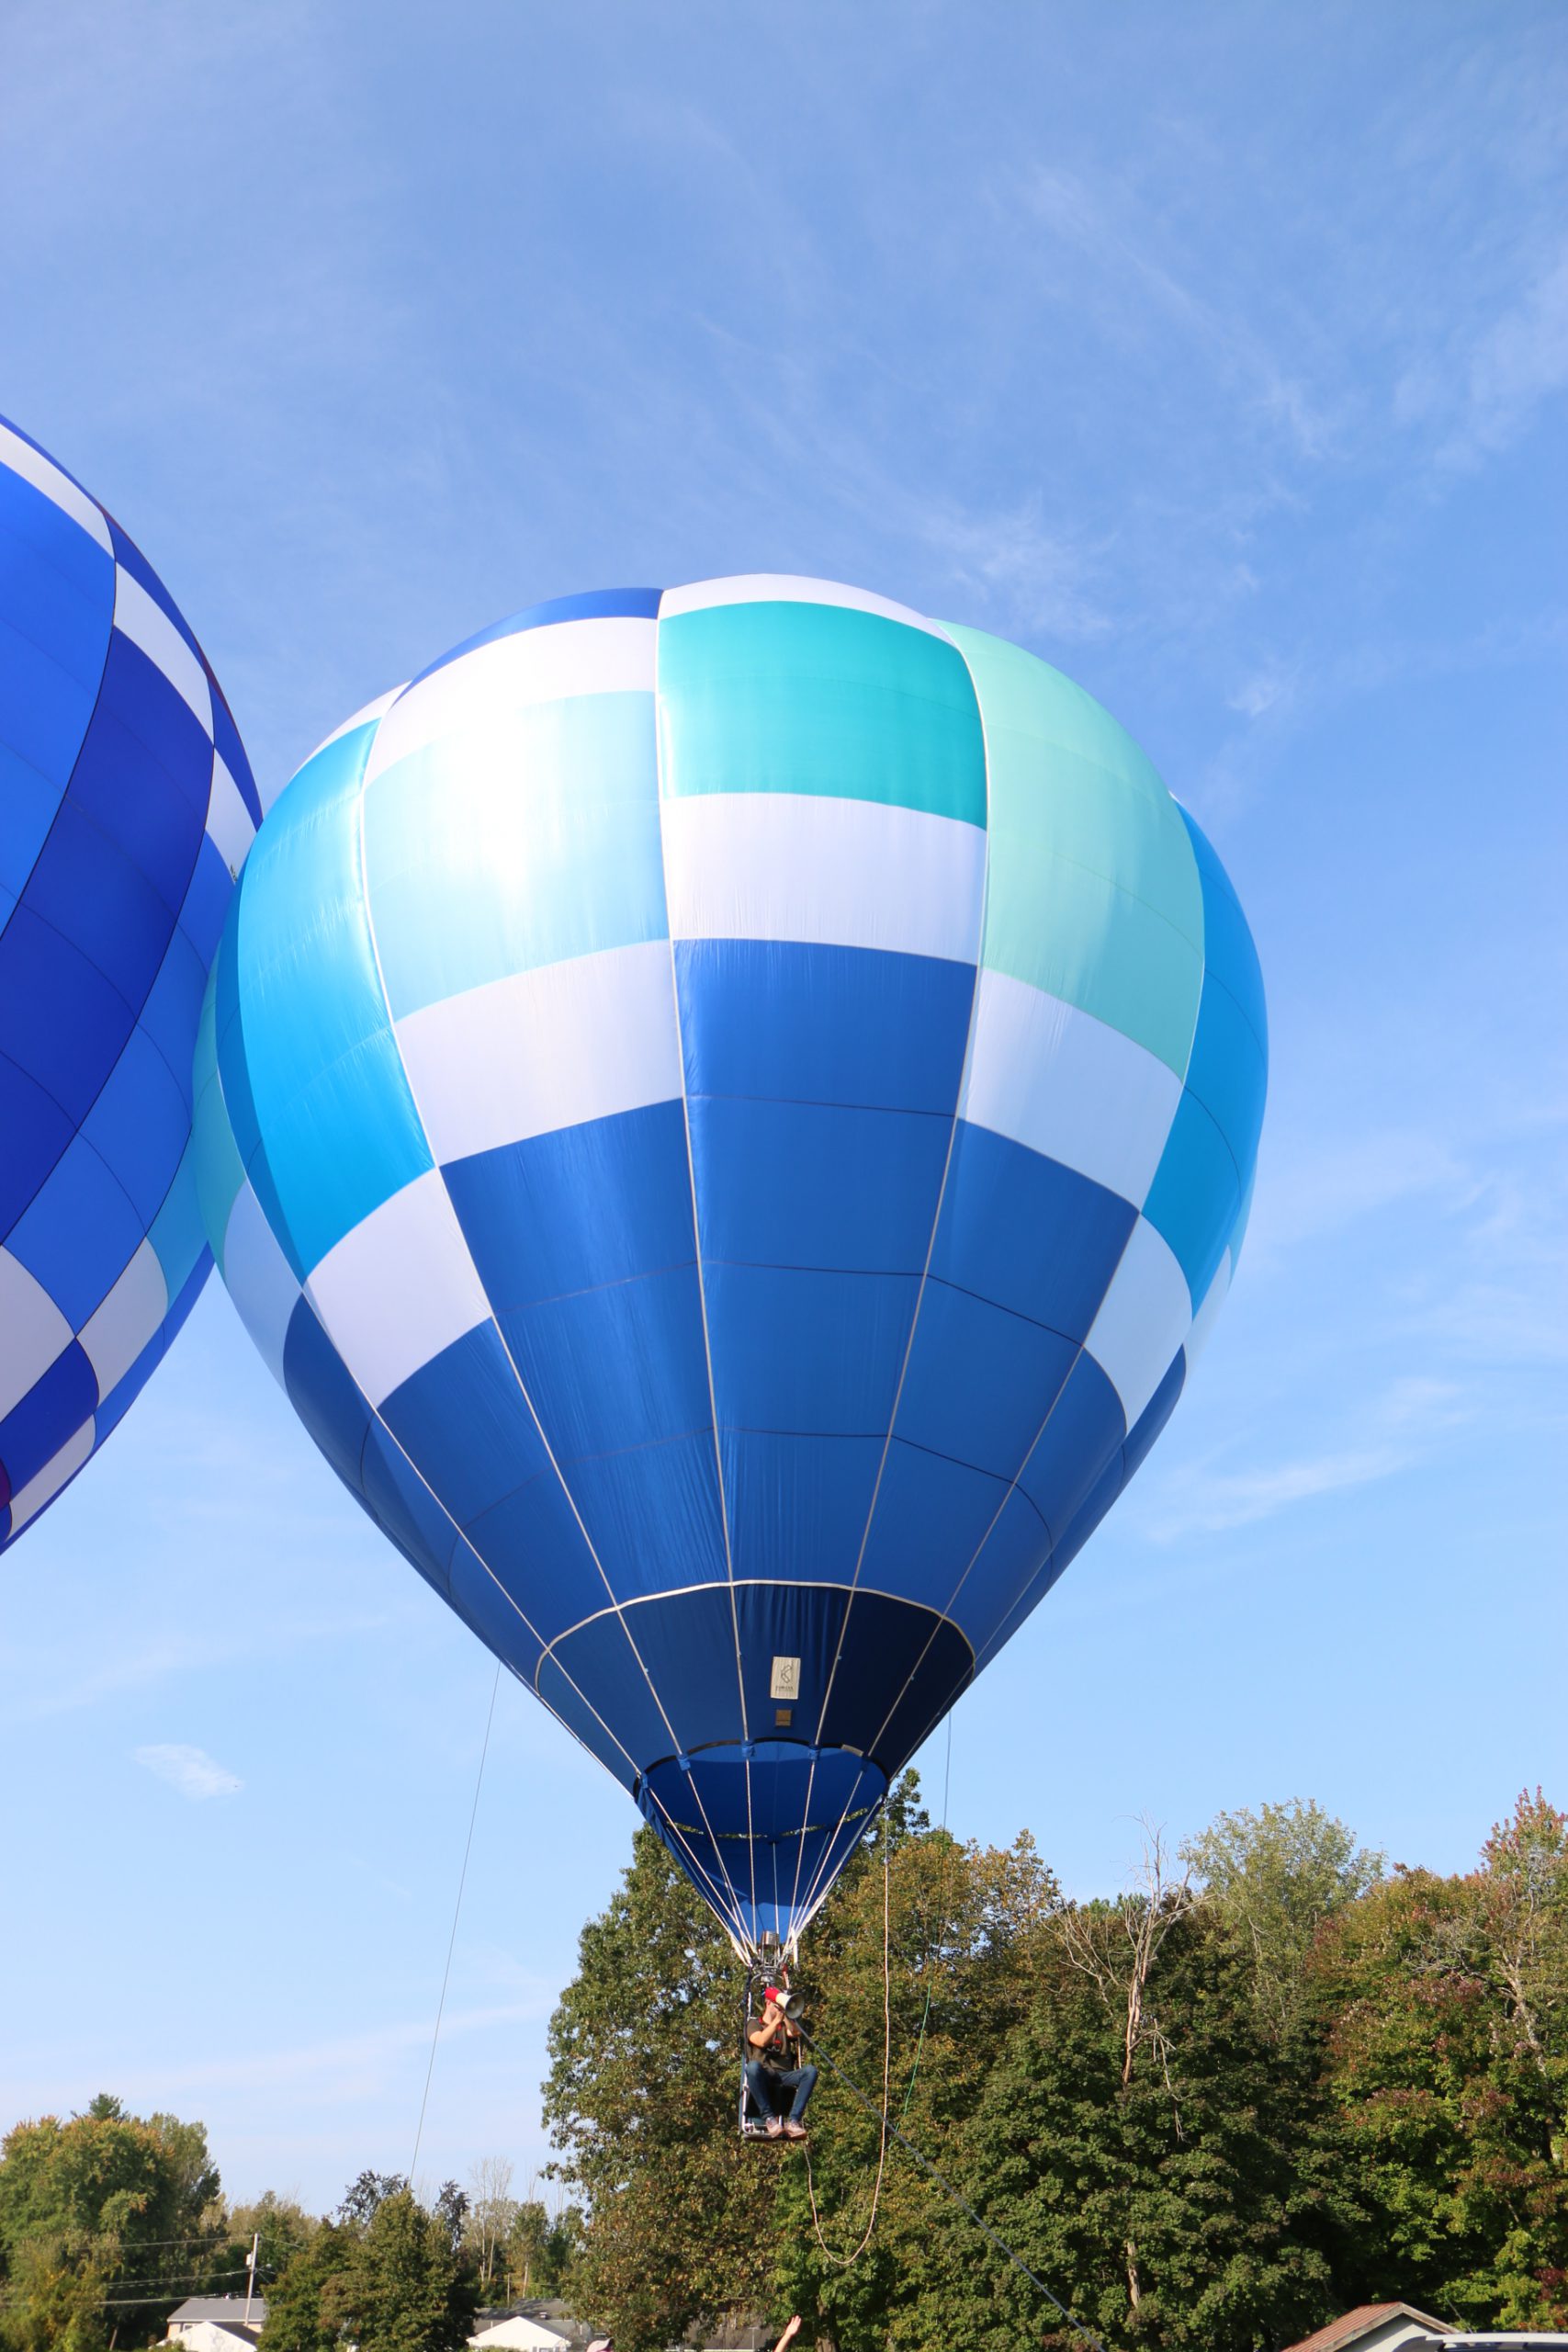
x,y
126,809
730,1111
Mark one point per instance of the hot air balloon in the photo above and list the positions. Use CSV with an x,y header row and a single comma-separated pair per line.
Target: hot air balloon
x,y
126,809
729,1111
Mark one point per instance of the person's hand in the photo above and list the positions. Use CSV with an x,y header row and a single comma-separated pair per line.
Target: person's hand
x,y
790,2332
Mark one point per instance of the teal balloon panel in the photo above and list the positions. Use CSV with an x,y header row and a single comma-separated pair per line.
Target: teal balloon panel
x,y
730,1111
126,808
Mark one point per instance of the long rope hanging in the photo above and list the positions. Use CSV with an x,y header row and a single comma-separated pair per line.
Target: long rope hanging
x,y
891,2131
942,1915
457,1914
844,2261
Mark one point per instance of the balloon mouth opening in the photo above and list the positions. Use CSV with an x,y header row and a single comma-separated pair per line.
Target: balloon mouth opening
x,y
763,1828
776,1789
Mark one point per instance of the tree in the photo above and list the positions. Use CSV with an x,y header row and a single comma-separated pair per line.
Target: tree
x,y
964,1926
1115,1945
364,2195
1446,2061
387,2275
492,2213
403,2288
1173,2202
1276,1875
541,2246
282,2225
109,2214
641,2102
1524,1893
296,2320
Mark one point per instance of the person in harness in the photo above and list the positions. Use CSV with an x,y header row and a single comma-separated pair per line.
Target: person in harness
x,y
779,2084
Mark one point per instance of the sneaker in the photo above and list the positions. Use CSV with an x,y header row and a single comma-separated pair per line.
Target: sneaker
x,y
794,2130
776,2127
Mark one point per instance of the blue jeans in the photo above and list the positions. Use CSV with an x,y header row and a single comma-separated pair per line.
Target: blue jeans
x,y
767,2083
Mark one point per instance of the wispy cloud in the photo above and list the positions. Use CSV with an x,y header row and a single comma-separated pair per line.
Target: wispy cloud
x,y
353,2057
50,1685
1311,1192
191,1770
1521,1320
1014,565
1206,1502
337,2067
1518,361
1268,688
1125,250
1203,1500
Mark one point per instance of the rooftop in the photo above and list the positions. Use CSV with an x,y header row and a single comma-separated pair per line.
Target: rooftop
x,y
222,2310
1380,2324
1352,2327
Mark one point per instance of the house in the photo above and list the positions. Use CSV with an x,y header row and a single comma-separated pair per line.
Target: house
x,y
1389,2327
533,2327
551,2328
218,2323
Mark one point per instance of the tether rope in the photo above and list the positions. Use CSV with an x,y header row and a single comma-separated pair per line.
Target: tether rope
x,y
456,1914
891,2131
844,2261
942,1915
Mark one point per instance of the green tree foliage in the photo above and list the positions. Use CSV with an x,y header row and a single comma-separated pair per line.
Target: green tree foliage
x,y
387,2274
491,2217
641,2099
1208,2116
1276,1875
105,2222
539,2248
962,1928
1179,2201
405,2288
296,2320
283,2227
1449,2061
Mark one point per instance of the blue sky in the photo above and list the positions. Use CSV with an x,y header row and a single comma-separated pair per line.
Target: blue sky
x,y
1217,354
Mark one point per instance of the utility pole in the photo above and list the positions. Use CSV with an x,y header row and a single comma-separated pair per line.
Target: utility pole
x,y
251,2271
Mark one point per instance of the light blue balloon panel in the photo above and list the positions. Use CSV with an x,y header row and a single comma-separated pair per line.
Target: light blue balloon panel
x,y
730,1110
126,808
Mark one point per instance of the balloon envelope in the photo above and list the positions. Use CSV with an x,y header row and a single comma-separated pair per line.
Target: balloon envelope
x,y
727,1111
126,808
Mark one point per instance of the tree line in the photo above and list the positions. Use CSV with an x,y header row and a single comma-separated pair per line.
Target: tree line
x,y
1271,2080
109,2220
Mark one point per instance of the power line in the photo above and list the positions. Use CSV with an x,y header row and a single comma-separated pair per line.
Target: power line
x,y
181,2278
161,2292
202,2237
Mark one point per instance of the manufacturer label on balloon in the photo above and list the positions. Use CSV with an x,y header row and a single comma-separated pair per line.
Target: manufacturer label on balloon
x,y
785,1683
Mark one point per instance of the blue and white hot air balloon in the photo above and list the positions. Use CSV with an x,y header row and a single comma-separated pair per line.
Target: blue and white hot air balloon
x,y
729,1111
126,809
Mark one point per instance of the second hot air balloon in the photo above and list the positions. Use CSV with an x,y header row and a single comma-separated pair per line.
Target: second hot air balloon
x,y
730,1110
126,808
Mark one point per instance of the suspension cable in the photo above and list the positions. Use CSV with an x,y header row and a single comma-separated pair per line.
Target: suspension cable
x,y
457,1914
844,2261
891,2131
